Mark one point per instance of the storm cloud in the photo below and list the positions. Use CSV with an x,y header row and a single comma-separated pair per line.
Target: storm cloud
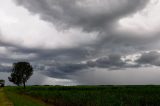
x,y
150,58
87,14
65,38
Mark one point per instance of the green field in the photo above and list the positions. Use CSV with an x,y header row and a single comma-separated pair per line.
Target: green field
x,y
4,101
84,95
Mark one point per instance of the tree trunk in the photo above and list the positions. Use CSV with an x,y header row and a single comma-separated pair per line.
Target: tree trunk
x,y
24,85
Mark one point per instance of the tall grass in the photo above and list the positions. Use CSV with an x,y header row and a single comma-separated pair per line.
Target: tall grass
x,y
3,99
94,95
21,100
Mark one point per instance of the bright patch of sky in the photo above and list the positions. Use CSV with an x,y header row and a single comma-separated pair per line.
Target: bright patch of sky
x,y
21,27
145,21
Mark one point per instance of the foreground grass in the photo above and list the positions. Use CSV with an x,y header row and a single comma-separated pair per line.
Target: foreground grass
x,y
22,100
3,99
90,95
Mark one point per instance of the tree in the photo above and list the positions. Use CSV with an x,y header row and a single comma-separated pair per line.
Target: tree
x,y
2,82
21,72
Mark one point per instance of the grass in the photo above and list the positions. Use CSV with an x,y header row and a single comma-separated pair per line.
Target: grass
x,y
3,99
92,95
23,100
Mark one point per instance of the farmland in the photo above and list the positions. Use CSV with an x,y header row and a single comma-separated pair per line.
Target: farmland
x,y
84,95
3,99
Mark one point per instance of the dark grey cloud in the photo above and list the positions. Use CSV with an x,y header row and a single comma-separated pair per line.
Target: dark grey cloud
x,y
64,70
79,13
106,62
61,55
112,62
4,68
150,58
121,44
69,13
124,42
104,53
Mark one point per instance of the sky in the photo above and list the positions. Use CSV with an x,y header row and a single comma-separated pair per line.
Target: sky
x,y
72,42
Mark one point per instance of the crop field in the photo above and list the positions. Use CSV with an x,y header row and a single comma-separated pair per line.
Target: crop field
x,y
84,95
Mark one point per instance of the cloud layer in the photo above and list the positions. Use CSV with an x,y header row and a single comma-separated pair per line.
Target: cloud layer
x,y
87,14
65,37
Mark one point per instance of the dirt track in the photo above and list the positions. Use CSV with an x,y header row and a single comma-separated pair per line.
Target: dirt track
x,y
3,99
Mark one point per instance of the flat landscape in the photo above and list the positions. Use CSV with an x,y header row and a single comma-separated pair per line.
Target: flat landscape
x,y
79,52
80,96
